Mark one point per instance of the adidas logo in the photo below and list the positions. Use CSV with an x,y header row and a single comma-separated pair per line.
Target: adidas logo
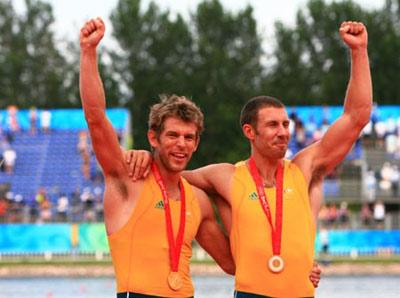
x,y
287,190
253,196
160,205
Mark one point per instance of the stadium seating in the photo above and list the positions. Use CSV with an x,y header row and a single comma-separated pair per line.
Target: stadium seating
x,y
51,160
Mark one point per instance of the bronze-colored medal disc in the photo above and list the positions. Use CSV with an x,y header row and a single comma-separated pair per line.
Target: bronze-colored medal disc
x,y
174,281
276,264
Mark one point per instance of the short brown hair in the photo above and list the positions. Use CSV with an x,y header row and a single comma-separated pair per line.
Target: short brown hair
x,y
249,112
178,107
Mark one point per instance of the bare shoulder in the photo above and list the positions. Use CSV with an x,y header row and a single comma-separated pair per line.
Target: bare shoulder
x,y
304,160
219,174
213,178
218,169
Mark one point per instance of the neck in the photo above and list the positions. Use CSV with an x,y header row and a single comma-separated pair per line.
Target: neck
x,y
266,167
170,179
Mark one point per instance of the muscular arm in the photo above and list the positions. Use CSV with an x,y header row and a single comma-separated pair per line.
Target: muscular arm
x,y
103,136
213,179
210,235
324,155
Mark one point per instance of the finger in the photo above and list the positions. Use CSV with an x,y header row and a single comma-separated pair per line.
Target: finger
x,y
344,29
130,160
353,28
314,279
360,28
138,166
85,32
147,172
133,164
89,25
98,23
144,167
316,271
128,156
356,28
141,168
93,23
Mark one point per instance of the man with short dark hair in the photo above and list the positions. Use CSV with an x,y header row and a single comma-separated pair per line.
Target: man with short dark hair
x,y
273,202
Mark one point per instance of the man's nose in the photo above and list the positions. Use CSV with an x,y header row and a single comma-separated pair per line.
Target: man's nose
x,y
283,130
181,141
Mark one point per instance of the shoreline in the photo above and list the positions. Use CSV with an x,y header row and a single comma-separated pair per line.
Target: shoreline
x,y
106,270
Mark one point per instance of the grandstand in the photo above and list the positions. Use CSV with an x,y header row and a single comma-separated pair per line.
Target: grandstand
x,y
379,145
50,160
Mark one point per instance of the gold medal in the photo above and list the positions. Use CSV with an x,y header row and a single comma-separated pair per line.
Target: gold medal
x,y
174,281
276,264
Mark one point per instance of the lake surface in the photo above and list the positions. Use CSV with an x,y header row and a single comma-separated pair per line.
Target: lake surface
x,y
206,287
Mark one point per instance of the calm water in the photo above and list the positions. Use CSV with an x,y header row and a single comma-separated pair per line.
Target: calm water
x,y
206,287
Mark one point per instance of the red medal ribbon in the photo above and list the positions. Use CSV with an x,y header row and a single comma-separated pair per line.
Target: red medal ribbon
x,y
174,246
276,233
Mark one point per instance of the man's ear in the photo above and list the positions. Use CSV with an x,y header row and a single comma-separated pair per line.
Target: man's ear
x,y
152,137
248,131
197,143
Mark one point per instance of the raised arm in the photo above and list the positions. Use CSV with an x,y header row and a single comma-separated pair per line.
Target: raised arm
x,y
104,139
321,157
211,237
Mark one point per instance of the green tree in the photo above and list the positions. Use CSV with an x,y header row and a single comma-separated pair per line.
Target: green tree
x,y
215,61
7,44
227,72
154,58
384,46
312,64
109,75
32,67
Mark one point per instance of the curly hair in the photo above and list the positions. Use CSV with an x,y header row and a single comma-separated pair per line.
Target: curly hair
x,y
178,107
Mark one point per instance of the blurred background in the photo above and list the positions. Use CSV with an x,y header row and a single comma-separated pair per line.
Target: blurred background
x,y
220,54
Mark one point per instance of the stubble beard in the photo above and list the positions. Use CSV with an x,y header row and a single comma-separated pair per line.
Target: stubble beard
x,y
168,165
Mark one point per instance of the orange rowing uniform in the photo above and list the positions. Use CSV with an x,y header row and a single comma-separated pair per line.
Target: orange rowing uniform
x,y
251,241
139,250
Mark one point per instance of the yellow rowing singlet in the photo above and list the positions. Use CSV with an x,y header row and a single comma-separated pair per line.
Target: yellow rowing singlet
x,y
251,242
139,250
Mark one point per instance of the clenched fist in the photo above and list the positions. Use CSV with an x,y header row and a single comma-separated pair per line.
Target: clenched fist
x,y
91,33
354,34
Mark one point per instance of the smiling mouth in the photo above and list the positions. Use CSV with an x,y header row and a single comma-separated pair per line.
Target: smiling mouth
x,y
180,156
